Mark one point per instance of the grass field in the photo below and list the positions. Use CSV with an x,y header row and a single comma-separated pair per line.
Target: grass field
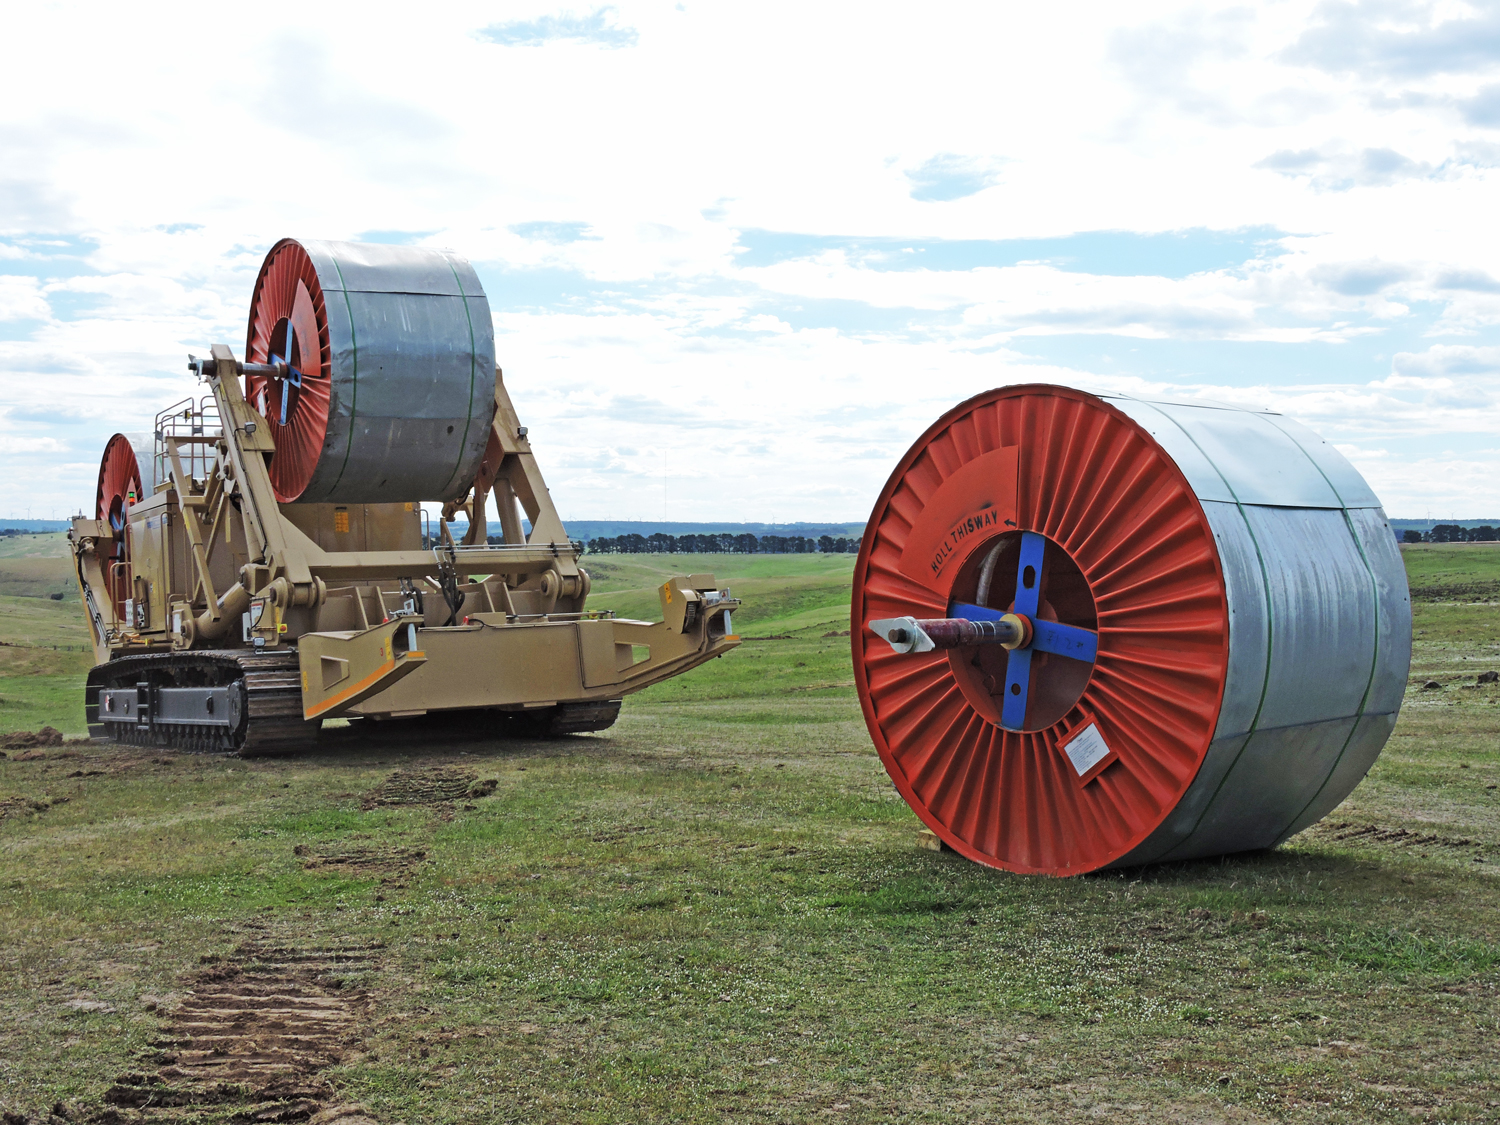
x,y
718,911
36,566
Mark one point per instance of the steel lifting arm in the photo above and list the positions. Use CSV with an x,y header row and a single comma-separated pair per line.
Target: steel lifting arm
x,y
248,439
509,470
88,537
190,505
519,468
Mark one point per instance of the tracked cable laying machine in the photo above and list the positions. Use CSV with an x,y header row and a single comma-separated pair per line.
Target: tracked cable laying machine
x,y
261,562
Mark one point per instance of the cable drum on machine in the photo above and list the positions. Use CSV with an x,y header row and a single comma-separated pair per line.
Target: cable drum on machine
x,y
128,466
127,475
1091,630
388,388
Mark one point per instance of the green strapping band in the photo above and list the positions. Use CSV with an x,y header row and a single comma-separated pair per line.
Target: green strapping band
x,y
473,361
354,389
1374,649
1265,580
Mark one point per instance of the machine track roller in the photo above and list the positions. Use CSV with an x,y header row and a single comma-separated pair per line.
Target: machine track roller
x,y
140,701
582,718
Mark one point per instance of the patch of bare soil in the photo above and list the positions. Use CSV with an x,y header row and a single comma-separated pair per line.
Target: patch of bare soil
x,y
18,806
123,759
249,1040
28,740
393,866
1465,591
432,786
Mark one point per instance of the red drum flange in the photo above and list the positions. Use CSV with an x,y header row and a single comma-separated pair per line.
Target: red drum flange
x,y
1123,550
119,488
289,321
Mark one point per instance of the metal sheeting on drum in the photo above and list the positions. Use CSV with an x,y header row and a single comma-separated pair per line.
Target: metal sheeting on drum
x,y
1320,627
144,446
412,373
128,461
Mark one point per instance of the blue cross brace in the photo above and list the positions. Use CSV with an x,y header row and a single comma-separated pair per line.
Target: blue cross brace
x,y
1047,636
294,377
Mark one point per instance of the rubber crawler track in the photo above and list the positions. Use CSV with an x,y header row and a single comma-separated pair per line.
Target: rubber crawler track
x,y
271,683
271,702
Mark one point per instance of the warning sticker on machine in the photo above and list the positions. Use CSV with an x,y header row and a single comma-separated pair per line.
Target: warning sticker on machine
x,y
1086,749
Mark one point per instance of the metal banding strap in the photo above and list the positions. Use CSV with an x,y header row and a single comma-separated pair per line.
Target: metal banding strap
x,y
1265,580
353,369
473,360
1364,699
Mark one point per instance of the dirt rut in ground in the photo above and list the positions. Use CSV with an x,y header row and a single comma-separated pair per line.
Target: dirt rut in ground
x,y
392,866
427,787
249,1040
1348,831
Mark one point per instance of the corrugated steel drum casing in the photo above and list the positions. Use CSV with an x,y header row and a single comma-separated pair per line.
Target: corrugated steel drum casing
x,y
397,351
1253,620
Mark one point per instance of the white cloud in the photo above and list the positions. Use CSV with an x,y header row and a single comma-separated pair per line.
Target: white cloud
x,y
1448,359
603,193
947,177
1336,169
21,298
597,28
17,443
1417,487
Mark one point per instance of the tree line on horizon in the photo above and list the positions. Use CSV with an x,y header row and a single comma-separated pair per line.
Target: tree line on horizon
x,y
1452,533
723,544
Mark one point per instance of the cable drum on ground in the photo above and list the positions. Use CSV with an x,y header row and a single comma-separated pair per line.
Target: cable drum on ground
x,y
1214,629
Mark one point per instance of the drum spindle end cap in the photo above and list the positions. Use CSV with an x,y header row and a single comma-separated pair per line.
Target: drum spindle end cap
x,y
903,634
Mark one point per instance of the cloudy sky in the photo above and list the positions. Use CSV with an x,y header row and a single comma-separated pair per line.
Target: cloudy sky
x,y
739,256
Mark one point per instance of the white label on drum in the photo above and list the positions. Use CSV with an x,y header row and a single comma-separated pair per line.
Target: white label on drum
x,y
1086,749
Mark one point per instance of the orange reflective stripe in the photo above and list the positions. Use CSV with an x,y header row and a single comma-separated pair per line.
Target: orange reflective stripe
x,y
348,691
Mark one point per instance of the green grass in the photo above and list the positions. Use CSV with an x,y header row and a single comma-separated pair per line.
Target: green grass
x,y
44,655
1462,571
794,592
37,566
717,911
33,701
42,545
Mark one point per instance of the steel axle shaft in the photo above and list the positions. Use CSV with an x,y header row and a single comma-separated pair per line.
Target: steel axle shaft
x,y
908,634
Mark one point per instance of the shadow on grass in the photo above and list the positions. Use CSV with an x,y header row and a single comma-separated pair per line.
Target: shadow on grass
x,y
396,740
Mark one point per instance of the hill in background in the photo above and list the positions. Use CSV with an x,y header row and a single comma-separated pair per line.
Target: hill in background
x,y
589,530
1428,525
595,529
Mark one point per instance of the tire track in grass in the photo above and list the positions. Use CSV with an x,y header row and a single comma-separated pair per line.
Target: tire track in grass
x,y
250,1039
